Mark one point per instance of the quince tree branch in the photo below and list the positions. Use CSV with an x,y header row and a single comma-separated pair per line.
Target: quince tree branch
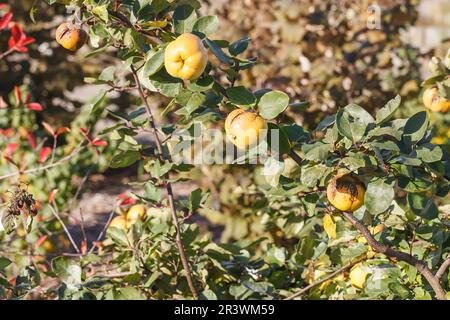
x,y
420,265
178,240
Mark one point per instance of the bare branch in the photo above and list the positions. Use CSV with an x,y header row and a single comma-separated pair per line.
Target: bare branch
x,y
83,231
382,248
295,157
34,170
169,189
52,209
444,266
100,235
127,23
328,277
114,275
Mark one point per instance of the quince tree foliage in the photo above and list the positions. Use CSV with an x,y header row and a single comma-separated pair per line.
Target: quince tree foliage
x,y
302,247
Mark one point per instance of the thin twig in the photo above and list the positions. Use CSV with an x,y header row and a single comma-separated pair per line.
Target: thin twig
x,y
57,163
114,275
55,141
52,209
169,189
136,28
4,54
330,276
381,248
77,193
100,235
83,231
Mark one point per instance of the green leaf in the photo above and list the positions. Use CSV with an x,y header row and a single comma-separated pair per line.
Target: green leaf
x,y
317,151
272,171
379,196
152,193
165,84
428,153
277,140
119,236
101,12
325,123
294,132
124,159
415,128
191,101
208,295
98,105
433,80
241,96
206,25
195,198
384,131
136,113
422,205
201,85
107,74
4,263
353,121
385,145
129,293
69,271
154,63
149,282
310,176
184,18
218,52
359,114
354,162
272,104
158,169
385,114
276,256
300,106
239,46
413,180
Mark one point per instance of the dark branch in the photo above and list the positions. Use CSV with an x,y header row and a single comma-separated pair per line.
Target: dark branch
x,y
330,276
295,157
127,23
381,248
178,240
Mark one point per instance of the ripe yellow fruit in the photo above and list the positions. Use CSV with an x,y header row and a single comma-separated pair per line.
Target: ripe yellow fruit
x,y
134,213
434,102
358,277
70,36
186,57
346,192
245,128
119,222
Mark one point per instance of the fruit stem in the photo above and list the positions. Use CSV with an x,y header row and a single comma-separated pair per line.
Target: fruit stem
x,y
168,186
